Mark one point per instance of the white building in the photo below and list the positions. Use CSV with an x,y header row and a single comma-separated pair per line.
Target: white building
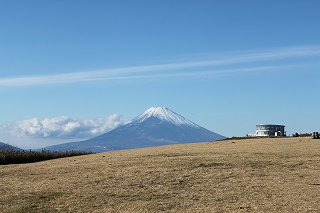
x,y
268,130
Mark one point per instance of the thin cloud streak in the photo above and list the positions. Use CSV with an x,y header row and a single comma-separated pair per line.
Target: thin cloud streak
x,y
210,73
167,69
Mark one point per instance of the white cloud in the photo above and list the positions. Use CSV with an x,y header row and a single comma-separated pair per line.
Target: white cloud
x,y
64,127
187,68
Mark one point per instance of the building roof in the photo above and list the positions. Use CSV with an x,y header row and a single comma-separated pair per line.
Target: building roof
x,y
269,125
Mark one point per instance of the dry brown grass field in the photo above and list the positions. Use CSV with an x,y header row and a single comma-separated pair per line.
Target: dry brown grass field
x,y
249,175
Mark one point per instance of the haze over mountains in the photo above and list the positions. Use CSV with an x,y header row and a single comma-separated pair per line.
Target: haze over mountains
x,y
154,127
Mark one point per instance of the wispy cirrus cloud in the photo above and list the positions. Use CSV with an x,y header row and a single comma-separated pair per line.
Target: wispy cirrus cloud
x,y
63,127
194,67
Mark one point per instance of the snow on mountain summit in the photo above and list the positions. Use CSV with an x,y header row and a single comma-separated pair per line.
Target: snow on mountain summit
x,y
164,114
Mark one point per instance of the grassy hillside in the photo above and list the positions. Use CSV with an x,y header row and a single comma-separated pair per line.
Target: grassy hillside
x,y
256,175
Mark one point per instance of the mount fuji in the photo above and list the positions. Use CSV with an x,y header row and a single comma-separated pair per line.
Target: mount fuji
x,y
155,127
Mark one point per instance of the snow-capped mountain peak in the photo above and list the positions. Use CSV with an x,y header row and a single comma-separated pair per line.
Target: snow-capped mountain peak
x,y
164,114
156,126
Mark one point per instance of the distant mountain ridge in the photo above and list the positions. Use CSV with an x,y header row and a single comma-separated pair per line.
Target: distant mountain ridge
x,y
7,147
155,127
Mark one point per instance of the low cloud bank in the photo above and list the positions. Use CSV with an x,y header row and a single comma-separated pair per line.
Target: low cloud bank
x,y
64,127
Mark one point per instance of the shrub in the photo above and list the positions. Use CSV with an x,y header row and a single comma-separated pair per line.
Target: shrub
x,y
301,134
17,157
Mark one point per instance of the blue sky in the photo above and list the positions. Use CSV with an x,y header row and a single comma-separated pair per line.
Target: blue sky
x,y
75,69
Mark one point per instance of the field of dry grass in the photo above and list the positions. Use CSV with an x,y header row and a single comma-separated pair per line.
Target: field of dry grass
x,y
252,175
